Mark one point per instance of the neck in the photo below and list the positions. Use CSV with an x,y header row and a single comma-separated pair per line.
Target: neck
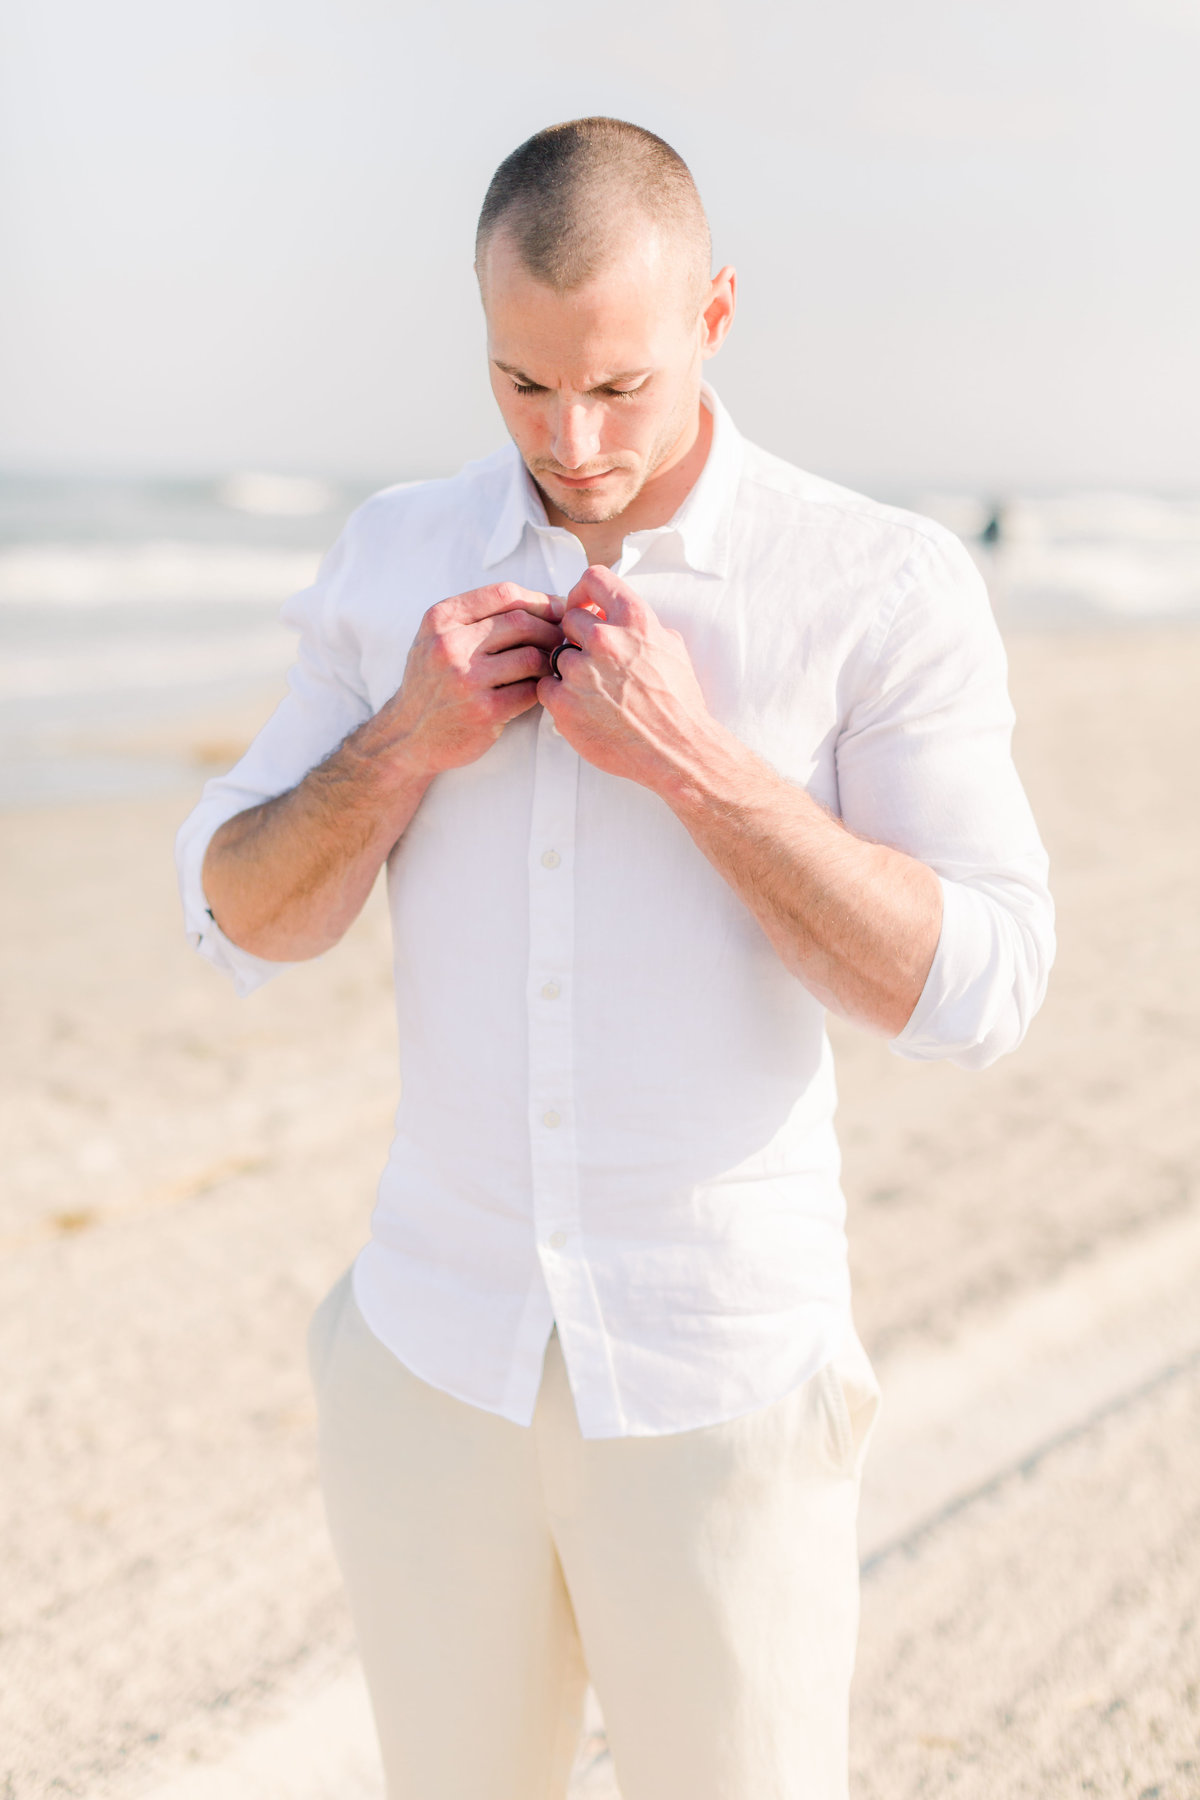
x,y
655,504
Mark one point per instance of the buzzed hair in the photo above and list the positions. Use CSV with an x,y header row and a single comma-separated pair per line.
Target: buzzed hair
x,y
569,195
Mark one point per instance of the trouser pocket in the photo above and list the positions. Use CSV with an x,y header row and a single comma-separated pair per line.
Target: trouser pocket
x,y
852,1398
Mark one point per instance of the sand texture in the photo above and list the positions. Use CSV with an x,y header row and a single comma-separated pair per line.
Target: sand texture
x,y
1045,1641
185,1174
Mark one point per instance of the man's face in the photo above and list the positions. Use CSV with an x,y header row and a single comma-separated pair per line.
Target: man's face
x,y
597,386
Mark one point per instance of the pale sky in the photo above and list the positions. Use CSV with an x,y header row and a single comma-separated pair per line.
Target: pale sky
x,y
239,234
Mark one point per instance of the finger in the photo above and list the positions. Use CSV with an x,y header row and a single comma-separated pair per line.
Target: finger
x,y
584,609
522,663
581,628
548,691
519,627
516,698
488,603
600,587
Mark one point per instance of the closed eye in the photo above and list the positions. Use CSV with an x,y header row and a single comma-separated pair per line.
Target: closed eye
x,y
610,393
609,389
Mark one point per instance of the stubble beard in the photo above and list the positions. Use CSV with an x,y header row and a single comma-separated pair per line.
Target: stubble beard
x,y
598,511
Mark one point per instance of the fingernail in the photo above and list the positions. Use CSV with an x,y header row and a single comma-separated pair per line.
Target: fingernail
x,y
558,605
590,606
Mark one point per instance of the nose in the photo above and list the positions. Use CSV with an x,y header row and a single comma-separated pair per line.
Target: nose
x,y
577,435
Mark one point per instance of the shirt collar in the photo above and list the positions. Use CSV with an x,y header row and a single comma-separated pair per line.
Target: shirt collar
x,y
702,523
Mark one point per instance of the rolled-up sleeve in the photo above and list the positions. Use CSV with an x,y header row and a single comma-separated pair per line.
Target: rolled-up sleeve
x,y
925,765
325,701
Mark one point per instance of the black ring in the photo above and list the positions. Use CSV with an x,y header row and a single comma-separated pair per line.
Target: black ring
x,y
556,653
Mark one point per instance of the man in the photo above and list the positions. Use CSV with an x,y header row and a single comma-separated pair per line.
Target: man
x,y
668,748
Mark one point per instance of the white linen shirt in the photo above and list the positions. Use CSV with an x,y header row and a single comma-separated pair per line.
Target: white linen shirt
x,y
616,1110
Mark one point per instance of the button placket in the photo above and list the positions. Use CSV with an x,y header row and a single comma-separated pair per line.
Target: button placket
x,y
551,956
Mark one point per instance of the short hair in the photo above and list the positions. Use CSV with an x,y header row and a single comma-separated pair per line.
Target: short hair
x,y
568,194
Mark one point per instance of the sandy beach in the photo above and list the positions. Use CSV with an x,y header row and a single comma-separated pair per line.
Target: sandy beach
x,y
186,1173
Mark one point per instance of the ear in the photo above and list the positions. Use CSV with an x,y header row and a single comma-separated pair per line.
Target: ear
x,y
718,313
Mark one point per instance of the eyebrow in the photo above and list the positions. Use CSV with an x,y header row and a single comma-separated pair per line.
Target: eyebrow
x,y
528,381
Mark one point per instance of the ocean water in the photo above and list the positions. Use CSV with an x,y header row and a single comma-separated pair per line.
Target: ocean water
x,y
126,607
1083,558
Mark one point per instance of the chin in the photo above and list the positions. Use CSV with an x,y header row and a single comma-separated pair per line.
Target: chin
x,y
582,510
594,515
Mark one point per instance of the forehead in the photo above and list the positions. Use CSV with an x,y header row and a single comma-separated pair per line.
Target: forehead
x,y
630,315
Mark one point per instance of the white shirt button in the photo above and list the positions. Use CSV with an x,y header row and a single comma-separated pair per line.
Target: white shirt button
x,y
551,990
557,1239
550,1120
550,859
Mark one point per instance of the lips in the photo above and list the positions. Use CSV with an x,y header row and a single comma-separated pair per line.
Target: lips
x,y
582,481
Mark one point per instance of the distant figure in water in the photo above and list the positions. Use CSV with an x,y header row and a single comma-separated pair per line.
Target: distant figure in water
x,y
993,530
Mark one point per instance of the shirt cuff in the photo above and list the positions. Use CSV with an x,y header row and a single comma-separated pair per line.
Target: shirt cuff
x,y
247,972
969,1012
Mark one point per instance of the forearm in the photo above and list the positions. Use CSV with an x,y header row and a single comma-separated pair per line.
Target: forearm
x,y
286,879
856,922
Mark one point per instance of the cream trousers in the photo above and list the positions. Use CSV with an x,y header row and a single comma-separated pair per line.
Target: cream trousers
x,y
706,1582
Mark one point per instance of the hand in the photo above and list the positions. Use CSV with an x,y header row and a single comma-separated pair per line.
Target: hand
x,y
474,664
630,703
